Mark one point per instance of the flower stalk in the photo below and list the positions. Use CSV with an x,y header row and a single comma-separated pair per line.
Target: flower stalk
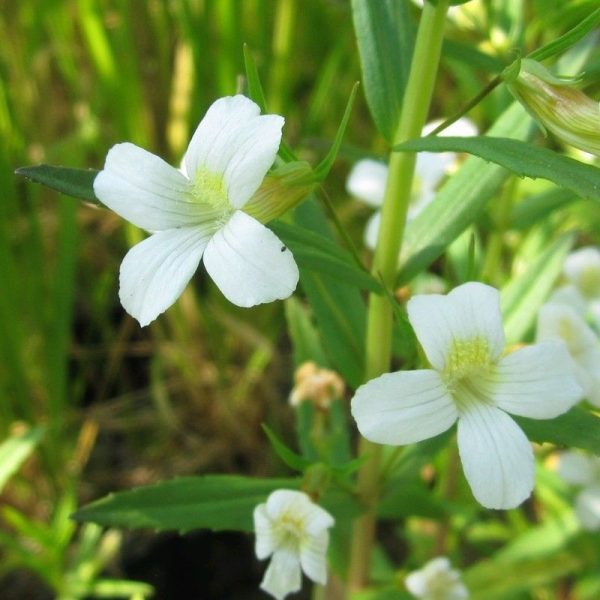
x,y
417,99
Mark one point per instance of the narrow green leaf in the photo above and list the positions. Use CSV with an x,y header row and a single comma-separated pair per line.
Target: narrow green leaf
x,y
217,502
523,159
78,183
322,255
459,202
522,298
323,168
304,335
535,208
15,450
339,309
568,39
577,428
256,93
385,36
288,456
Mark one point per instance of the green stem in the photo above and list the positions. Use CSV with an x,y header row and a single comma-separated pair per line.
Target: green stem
x,y
417,99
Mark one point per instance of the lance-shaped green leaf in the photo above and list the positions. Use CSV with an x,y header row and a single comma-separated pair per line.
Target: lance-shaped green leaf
x,y
15,450
570,38
459,202
385,37
256,93
577,428
323,168
523,159
288,456
217,502
321,255
78,183
339,309
522,298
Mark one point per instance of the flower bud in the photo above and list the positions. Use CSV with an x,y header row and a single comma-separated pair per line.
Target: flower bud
x,y
281,190
555,104
316,385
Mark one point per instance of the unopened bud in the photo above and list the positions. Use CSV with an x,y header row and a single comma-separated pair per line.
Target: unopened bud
x,y
281,190
555,104
316,385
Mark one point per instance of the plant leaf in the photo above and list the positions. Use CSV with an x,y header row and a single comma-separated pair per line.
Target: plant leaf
x,y
385,36
217,502
288,456
577,428
323,168
522,298
78,183
459,202
322,255
523,159
568,39
15,450
338,308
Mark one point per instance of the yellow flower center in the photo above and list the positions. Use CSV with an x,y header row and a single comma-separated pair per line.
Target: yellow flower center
x,y
289,530
209,188
467,358
589,282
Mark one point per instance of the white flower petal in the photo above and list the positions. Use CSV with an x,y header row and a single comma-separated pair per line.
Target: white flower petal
x,y
587,507
313,557
562,321
470,311
367,181
404,407
263,528
145,190
496,456
577,468
249,263
569,295
155,272
283,576
582,268
235,141
372,230
536,381
430,167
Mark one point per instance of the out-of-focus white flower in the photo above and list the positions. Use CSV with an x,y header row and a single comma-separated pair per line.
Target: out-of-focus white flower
x,y
368,177
584,471
582,288
562,321
437,580
197,212
293,531
473,382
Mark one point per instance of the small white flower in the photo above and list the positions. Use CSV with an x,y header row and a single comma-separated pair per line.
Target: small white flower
x,y
292,530
582,270
368,177
198,213
583,470
562,321
473,382
437,580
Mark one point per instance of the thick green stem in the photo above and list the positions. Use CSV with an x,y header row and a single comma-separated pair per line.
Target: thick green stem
x,y
417,99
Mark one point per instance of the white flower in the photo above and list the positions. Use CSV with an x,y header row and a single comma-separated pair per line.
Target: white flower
x,y
293,531
582,270
473,382
562,321
197,212
583,470
368,177
437,580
